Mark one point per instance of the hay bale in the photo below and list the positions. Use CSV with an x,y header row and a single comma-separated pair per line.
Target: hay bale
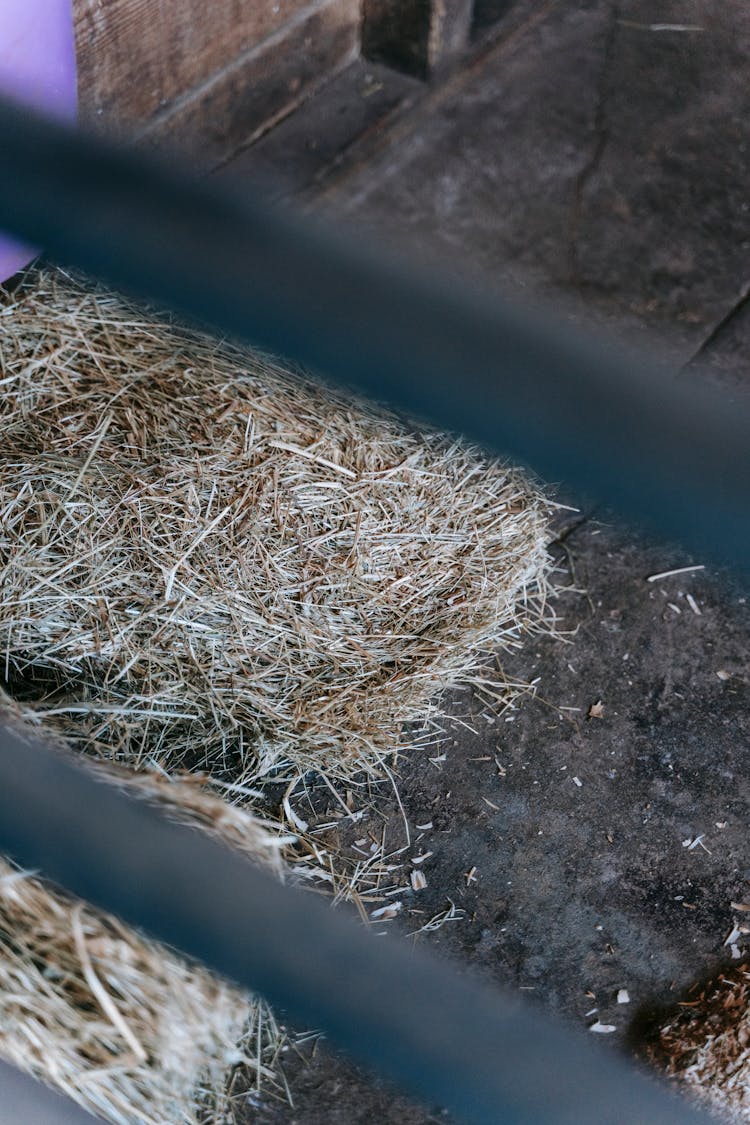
x,y
121,1024
706,1045
211,563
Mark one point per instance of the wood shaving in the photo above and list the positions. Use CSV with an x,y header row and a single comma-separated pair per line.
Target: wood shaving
x,y
418,880
386,913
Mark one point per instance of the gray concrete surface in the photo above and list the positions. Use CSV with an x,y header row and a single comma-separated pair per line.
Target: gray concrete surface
x,y
594,152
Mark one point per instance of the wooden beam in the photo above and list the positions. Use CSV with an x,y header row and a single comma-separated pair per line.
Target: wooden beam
x,y
206,76
420,37
136,57
260,89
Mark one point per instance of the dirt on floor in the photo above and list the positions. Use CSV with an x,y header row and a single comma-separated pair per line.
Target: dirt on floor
x,y
593,839
587,846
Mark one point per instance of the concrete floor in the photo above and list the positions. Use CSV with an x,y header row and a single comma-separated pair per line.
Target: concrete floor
x,y
595,152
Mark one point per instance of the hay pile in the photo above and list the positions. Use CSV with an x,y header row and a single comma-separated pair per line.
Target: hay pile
x,y
707,1045
121,1025
211,564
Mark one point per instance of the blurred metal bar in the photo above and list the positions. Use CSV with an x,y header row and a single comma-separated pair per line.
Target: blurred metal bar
x,y
451,1039
23,1101
575,408
516,382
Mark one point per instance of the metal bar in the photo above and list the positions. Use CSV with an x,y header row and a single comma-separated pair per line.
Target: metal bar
x,y
443,1035
486,368
23,1101
521,382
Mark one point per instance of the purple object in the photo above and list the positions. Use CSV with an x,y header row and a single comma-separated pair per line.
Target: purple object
x,y
38,66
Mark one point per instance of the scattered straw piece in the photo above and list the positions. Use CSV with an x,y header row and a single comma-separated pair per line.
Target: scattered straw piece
x,y
451,913
669,573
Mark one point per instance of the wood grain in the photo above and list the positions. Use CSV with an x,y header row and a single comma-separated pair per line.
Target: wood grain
x,y
247,98
136,57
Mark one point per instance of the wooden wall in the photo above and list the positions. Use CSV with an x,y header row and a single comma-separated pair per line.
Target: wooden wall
x,y
421,37
206,76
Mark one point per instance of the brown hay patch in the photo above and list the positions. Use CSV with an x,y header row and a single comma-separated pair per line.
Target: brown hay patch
x,y
706,1045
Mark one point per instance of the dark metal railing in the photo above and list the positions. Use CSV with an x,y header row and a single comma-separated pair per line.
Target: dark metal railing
x,y
518,382
440,1034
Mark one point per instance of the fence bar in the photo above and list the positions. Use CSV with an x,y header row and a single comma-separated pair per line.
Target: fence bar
x,y
26,1102
444,1036
576,409
517,383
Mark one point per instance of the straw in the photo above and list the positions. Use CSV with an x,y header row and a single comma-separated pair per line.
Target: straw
x,y
211,563
218,575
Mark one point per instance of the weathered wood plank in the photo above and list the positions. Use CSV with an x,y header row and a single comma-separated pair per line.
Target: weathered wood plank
x,y
136,57
262,87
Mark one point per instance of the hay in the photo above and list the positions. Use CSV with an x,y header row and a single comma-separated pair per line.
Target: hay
x,y
706,1046
212,564
125,1027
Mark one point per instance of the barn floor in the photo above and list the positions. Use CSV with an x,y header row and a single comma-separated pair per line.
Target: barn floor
x,y
596,153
